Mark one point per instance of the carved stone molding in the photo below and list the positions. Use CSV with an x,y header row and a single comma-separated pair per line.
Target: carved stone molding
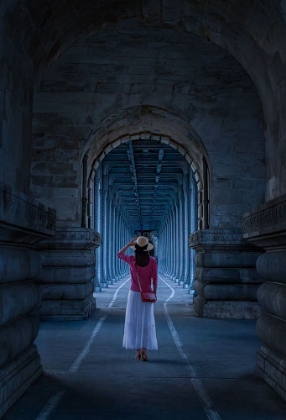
x,y
72,238
23,219
266,225
212,239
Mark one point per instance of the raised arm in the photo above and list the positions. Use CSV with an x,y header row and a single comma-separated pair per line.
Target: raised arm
x,y
130,243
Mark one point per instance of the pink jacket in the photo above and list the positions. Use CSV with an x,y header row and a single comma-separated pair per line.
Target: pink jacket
x,y
146,274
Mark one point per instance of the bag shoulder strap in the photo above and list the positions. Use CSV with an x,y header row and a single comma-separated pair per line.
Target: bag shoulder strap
x,y
137,277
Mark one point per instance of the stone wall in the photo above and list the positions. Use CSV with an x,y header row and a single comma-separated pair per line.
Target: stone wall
x,y
266,227
66,278
109,75
16,96
22,224
226,280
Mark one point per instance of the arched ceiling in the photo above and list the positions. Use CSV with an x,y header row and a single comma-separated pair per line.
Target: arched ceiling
x,y
253,32
247,29
145,178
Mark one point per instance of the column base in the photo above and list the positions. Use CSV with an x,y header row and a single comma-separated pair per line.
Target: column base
x,y
17,376
67,310
226,309
104,284
271,366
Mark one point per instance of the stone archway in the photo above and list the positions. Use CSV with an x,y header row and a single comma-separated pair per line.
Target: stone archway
x,y
153,123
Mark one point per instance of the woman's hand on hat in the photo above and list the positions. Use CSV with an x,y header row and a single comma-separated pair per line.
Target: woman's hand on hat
x,y
133,241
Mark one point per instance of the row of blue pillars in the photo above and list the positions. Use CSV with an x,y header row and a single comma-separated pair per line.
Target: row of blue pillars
x,y
175,258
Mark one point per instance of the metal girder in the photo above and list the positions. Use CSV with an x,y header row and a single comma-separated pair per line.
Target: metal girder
x,y
144,177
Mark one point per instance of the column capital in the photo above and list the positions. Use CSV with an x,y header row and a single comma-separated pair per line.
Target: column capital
x,y
219,239
72,238
265,226
22,219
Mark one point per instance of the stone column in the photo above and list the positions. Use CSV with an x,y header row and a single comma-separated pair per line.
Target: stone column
x,y
226,279
66,279
266,227
22,224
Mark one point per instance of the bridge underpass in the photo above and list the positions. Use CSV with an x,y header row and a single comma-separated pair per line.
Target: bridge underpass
x,y
79,79
146,187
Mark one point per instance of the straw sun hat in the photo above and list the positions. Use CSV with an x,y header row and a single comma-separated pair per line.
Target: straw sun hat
x,y
143,241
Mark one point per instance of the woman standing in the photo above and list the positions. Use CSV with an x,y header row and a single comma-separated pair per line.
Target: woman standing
x,y
139,329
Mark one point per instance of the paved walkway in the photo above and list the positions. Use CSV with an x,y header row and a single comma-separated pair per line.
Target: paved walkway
x,y
204,369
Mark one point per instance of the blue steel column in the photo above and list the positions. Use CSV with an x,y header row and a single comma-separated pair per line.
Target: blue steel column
x,y
100,221
96,216
193,225
177,253
111,241
187,211
171,244
181,239
104,231
187,254
175,241
109,238
114,240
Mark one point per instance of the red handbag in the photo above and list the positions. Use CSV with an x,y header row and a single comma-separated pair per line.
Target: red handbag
x,y
146,296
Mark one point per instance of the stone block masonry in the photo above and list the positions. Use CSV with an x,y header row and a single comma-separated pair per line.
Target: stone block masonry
x,y
226,281
266,227
66,278
22,224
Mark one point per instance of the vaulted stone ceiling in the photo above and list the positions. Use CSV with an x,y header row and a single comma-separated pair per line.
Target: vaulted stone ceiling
x,y
159,80
252,32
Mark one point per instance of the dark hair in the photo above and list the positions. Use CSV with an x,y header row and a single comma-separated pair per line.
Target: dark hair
x,y
142,257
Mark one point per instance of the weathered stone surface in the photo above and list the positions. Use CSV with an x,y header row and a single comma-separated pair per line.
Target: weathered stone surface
x,y
266,225
23,214
18,264
67,310
17,376
97,79
272,331
16,336
11,307
23,223
226,291
71,238
67,259
272,296
63,275
272,266
228,275
227,259
67,291
181,57
226,309
225,273
271,366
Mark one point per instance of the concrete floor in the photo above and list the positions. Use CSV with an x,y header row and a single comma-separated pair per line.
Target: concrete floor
x,y
204,368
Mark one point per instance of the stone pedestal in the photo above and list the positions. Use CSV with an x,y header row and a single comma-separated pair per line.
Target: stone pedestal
x,y
266,227
226,280
66,278
22,224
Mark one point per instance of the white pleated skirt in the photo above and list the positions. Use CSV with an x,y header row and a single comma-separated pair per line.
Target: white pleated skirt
x,y
139,328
